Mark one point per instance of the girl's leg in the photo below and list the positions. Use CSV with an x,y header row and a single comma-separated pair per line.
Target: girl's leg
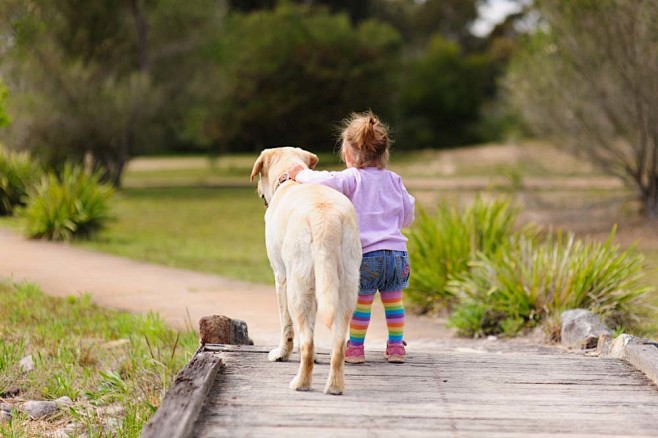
x,y
361,319
394,310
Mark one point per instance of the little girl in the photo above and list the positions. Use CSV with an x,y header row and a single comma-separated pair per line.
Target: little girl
x,y
383,206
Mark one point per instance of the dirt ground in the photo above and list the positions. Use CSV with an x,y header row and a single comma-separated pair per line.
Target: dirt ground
x,y
181,297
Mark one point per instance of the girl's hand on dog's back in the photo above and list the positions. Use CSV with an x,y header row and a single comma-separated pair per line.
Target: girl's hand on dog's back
x,y
294,170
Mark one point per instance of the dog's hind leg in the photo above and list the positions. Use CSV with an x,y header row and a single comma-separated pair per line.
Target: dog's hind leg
x,y
282,352
336,380
303,312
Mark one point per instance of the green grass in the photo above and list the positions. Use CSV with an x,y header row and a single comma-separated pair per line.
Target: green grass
x,y
99,358
216,230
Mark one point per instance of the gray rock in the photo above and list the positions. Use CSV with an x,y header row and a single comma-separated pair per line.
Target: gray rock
x,y
616,347
4,417
39,409
26,364
111,411
6,407
68,431
581,329
112,424
64,402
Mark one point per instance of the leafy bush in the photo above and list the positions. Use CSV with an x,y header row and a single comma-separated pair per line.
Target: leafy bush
x,y
17,174
534,281
66,206
443,244
270,77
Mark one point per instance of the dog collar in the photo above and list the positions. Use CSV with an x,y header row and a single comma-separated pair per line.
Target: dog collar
x,y
283,178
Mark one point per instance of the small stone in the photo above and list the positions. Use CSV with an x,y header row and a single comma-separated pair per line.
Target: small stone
x,y
617,346
26,364
219,329
581,329
492,338
64,401
4,417
111,411
68,431
6,407
112,424
39,409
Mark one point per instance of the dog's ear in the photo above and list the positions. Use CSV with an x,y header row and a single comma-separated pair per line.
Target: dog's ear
x,y
258,166
312,160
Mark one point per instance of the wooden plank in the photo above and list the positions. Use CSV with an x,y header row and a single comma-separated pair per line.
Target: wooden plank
x,y
446,394
181,405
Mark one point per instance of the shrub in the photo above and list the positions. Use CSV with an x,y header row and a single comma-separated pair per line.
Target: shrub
x,y
534,281
70,205
441,246
17,173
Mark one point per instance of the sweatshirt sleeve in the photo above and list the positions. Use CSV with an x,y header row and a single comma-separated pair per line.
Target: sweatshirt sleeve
x,y
342,181
408,206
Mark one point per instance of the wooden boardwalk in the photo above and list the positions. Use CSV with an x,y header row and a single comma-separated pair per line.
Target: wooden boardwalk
x,y
456,392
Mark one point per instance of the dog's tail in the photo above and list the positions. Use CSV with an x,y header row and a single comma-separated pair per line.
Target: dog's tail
x,y
327,283
336,267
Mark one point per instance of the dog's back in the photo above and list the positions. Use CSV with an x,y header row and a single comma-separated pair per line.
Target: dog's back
x,y
320,245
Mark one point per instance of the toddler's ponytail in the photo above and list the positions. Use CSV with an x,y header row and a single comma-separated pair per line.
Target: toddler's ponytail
x,y
367,138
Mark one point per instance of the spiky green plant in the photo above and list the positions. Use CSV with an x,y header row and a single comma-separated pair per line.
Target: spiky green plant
x,y
73,204
534,281
441,246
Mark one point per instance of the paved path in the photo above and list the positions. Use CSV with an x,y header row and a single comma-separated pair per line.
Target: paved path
x,y
181,297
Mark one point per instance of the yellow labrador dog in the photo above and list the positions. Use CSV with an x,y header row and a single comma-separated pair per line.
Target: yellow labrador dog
x,y
313,244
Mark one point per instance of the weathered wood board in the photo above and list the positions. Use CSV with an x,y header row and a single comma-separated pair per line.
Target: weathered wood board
x,y
439,393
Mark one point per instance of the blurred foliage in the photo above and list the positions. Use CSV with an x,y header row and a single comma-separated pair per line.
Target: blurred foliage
x,y
588,78
101,81
104,82
18,172
292,87
442,94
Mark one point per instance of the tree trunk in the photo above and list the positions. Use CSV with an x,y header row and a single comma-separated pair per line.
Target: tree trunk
x,y
651,199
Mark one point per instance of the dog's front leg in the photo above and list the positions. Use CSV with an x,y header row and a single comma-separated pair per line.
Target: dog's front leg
x,y
282,352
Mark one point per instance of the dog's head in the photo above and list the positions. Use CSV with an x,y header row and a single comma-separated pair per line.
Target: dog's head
x,y
275,162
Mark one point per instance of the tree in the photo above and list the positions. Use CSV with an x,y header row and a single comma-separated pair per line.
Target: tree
x,y
588,78
99,81
443,90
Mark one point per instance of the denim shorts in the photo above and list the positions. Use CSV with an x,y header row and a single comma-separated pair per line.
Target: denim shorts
x,y
384,270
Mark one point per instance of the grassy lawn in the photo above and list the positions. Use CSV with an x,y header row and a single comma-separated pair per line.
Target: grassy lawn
x,y
216,230
115,366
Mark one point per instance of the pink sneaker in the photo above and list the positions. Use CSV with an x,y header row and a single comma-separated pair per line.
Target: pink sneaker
x,y
395,353
354,353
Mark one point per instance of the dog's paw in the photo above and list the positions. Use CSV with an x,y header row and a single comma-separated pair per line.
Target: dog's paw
x,y
334,390
298,385
278,355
